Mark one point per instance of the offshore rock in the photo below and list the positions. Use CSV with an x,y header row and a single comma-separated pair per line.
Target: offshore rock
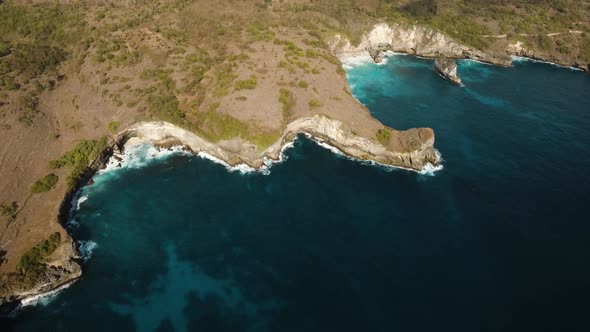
x,y
447,68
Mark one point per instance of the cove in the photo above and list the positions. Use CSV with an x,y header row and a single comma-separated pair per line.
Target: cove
x,y
496,241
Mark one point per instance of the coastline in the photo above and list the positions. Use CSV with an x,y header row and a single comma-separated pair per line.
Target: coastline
x,y
242,156
385,39
236,155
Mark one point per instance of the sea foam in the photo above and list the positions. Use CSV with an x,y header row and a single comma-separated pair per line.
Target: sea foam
x,y
139,155
86,248
267,163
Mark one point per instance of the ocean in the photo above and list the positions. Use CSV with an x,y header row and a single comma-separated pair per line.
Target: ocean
x,y
498,240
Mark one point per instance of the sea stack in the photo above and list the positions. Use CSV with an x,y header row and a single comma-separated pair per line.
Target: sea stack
x,y
447,68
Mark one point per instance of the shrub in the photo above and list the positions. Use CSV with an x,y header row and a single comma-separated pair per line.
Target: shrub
x,y
225,77
8,209
84,151
260,31
286,98
303,84
33,60
383,136
314,103
4,49
28,106
113,126
165,107
249,84
44,184
31,263
79,159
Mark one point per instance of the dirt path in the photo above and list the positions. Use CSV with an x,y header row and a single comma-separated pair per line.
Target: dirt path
x,y
573,32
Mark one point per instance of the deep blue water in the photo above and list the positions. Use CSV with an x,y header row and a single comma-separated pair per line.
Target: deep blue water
x,y
497,241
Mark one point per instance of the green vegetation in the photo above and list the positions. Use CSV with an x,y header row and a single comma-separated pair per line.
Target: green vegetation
x,y
31,264
314,103
286,98
293,55
114,54
4,49
225,77
44,184
114,126
165,107
249,84
29,61
8,209
79,159
216,126
383,136
260,31
284,64
38,38
303,84
161,75
461,28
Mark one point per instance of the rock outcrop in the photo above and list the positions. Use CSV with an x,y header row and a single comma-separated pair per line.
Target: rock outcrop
x,y
412,149
448,69
416,40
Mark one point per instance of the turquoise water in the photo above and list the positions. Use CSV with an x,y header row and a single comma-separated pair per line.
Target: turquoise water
x,y
496,241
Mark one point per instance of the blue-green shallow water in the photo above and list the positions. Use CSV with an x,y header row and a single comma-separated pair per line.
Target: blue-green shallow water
x,y
497,241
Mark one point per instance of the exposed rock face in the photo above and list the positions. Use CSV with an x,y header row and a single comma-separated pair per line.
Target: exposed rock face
x,y
416,40
410,149
447,68
61,270
519,49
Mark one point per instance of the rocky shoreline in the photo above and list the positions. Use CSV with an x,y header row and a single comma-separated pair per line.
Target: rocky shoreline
x,y
414,40
428,43
411,149
66,268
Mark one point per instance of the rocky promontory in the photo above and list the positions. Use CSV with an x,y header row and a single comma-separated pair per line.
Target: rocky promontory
x,y
410,149
411,39
447,68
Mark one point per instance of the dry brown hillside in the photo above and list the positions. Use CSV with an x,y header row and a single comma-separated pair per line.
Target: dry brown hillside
x,y
73,73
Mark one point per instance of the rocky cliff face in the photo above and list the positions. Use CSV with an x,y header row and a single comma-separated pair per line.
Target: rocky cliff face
x,y
416,40
61,270
447,68
413,149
